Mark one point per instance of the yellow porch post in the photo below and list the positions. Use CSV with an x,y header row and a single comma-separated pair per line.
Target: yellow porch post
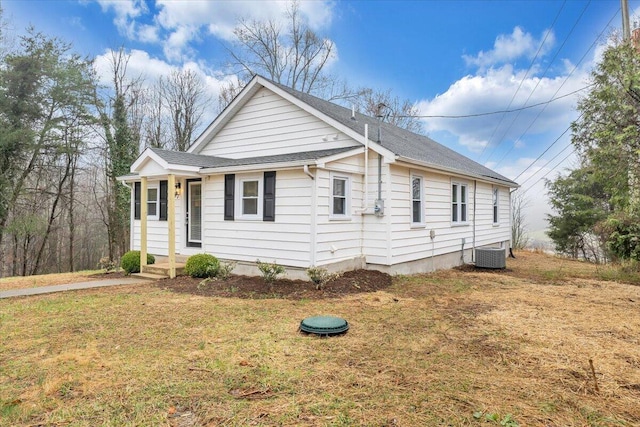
x,y
171,219
143,221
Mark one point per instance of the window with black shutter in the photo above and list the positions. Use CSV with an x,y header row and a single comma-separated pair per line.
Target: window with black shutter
x,y
163,200
269,207
229,196
136,199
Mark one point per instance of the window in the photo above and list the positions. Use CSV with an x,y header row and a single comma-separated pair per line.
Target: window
x,y
152,202
458,203
251,196
495,205
339,196
417,196
156,201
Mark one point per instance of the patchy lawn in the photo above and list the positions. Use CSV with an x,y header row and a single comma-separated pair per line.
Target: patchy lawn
x,y
458,347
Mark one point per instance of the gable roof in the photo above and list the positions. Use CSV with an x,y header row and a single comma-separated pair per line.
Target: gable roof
x,y
396,143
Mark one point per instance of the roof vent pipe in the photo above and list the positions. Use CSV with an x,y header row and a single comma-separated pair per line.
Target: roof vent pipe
x,y
380,116
353,112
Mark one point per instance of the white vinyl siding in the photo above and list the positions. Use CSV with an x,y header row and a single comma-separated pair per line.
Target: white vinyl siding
x,y
414,243
285,240
270,125
337,240
158,231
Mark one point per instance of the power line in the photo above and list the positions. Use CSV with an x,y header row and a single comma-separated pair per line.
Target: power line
x,y
574,68
575,24
489,113
522,81
546,164
550,170
545,151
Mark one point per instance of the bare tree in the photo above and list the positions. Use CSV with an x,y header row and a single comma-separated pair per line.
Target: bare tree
x,y
519,235
401,113
156,126
294,55
185,99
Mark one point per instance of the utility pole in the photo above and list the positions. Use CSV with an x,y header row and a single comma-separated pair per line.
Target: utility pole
x,y
626,29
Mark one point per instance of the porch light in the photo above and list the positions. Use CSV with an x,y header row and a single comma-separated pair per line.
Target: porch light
x,y
178,189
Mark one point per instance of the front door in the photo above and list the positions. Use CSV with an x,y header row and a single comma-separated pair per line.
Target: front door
x,y
194,213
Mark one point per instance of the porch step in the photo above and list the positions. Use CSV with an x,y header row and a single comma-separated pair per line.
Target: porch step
x,y
163,269
150,276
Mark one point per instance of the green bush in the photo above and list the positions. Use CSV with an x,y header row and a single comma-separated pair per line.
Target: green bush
x,y
130,262
270,272
202,266
320,276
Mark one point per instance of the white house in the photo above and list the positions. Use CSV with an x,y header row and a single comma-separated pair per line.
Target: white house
x,y
284,176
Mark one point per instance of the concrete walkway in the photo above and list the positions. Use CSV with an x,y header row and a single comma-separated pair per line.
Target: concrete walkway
x,y
71,287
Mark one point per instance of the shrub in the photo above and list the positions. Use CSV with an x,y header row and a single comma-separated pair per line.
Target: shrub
x,y
130,262
107,264
202,266
320,276
270,272
224,272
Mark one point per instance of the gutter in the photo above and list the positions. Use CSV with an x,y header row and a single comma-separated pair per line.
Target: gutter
x,y
510,184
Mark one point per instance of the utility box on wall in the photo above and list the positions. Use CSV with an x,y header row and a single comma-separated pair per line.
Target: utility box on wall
x,y
491,258
378,209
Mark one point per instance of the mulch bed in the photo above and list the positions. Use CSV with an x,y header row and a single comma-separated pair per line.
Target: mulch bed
x,y
250,287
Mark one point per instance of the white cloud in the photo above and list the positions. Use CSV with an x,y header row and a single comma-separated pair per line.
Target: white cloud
x,y
148,34
184,22
493,91
509,47
126,11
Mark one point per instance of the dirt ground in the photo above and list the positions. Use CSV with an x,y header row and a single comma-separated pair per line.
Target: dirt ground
x,y
351,282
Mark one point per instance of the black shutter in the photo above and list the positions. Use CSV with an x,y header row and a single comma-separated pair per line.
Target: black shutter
x,y
136,200
229,196
163,200
269,208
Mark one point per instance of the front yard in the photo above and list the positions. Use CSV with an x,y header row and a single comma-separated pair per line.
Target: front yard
x,y
459,347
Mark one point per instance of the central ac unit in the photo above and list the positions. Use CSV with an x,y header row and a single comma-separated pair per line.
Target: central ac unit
x,y
491,258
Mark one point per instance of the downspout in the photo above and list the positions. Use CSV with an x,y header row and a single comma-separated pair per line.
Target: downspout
x,y
365,192
131,214
313,219
305,169
473,243
365,198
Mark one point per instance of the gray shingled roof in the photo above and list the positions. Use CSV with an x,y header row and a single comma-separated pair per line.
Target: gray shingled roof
x,y
204,161
400,141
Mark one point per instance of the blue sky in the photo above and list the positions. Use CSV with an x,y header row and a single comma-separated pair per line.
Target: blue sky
x,y
451,58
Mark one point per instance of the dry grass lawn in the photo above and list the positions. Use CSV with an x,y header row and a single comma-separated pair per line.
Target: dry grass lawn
x,y
459,347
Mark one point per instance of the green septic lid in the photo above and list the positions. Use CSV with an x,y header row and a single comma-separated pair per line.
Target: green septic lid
x,y
324,325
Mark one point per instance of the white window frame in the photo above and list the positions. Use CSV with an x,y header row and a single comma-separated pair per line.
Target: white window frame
x,y
240,180
422,221
156,201
495,206
459,203
347,197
